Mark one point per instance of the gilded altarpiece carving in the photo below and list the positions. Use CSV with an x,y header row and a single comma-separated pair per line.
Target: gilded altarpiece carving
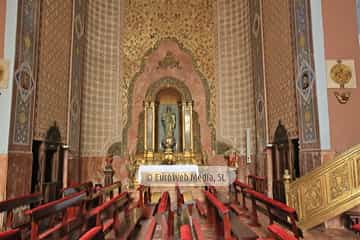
x,y
190,23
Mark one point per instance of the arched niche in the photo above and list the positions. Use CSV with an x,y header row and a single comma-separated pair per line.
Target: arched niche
x,y
154,76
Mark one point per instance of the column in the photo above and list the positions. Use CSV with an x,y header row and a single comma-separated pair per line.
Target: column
x,y
187,129
149,129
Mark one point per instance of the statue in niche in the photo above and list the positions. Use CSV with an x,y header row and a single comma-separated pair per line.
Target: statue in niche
x,y
168,120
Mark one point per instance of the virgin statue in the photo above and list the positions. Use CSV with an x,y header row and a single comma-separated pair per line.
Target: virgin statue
x,y
168,120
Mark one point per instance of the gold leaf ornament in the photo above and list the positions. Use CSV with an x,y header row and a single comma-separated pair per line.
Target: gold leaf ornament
x,y
341,74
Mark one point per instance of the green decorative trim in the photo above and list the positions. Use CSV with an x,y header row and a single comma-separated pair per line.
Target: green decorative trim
x,y
196,68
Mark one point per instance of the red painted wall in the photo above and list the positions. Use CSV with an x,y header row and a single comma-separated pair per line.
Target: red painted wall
x,y
2,26
341,42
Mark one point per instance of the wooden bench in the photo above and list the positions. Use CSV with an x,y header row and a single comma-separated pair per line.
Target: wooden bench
x,y
185,232
104,193
150,230
215,205
12,234
106,215
240,188
87,187
272,207
68,225
11,205
94,233
231,225
201,208
195,231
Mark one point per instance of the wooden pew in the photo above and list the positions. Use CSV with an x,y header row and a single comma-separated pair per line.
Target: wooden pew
x,y
106,192
12,234
166,223
258,183
107,214
185,232
273,206
10,205
280,233
68,225
240,189
215,206
201,208
100,194
94,233
87,187
150,230
231,225
356,227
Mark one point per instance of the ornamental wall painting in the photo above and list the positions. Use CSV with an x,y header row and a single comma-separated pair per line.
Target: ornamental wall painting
x,y
341,76
341,73
4,74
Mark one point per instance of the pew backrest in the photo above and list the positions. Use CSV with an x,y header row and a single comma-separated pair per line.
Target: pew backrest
x,y
164,203
150,229
117,203
13,234
9,206
223,212
94,233
13,203
107,191
87,186
275,205
56,206
51,209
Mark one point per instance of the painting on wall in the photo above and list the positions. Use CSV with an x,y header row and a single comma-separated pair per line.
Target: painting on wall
x,y
341,73
4,74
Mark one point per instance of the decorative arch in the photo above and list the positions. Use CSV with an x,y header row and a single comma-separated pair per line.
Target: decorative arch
x,y
186,70
167,82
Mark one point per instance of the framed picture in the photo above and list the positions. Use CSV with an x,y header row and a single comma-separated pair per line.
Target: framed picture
x,y
4,74
341,73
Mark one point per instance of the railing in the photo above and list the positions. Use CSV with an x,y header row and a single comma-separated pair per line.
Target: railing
x,y
327,191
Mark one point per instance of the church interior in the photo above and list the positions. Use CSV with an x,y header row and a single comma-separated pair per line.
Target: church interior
x,y
179,119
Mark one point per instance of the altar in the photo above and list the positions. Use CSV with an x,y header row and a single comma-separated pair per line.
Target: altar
x,y
169,129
